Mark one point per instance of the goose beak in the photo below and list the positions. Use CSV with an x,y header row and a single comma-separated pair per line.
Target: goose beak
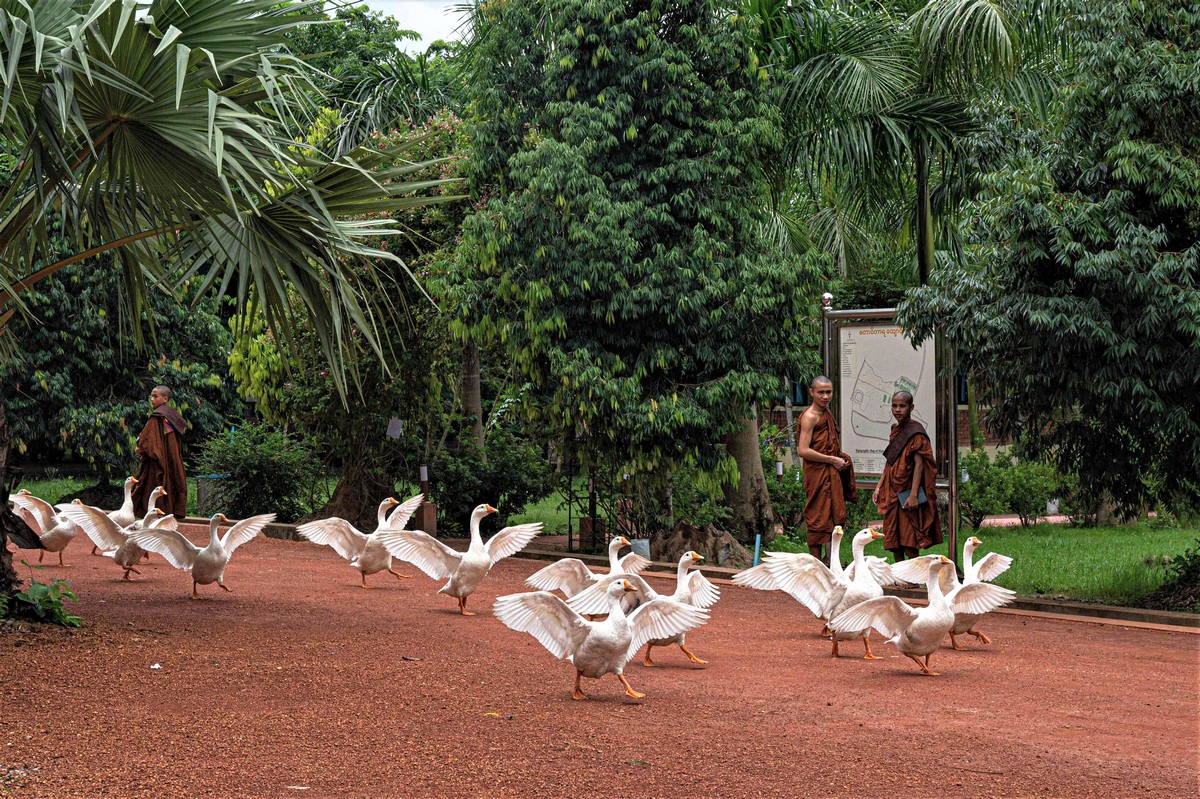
x,y
624,541
975,541
876,535
222,517
159,511
943,559
627,585
393,501
696,556
490,509
134,479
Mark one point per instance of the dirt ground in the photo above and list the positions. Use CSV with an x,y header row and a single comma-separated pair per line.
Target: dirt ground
x,y
301,683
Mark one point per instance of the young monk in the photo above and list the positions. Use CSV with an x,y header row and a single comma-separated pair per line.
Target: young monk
x,y
911,525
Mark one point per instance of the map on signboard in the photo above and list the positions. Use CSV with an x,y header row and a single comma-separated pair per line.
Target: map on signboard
x,y
876,362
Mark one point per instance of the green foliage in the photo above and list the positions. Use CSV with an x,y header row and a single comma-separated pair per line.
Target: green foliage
x,y
1181,587
1030,486
513,475
982,491
1083,308
356,40
265,471
41,602
616,255
697,500
79,389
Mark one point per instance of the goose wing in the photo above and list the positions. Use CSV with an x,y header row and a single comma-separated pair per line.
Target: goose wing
x,y
888,614
568,575
42,511
914,570
979,597
881,571
759,577
662,617
103,531
421,550
403,512
992,565
245,530
633,563
171,544
699,591
511,540
807,580
546,617
342,536
594,600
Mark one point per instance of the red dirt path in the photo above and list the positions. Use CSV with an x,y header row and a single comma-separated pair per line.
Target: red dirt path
x,y
297,685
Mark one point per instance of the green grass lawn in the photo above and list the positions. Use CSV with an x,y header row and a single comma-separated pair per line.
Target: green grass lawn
x,y
1109,565
1112,565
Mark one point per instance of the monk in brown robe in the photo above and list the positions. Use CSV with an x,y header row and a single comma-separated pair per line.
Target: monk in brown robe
x,y
911,525
828,472
160,448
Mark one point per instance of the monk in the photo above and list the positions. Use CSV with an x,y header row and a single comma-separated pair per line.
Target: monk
x,y
828,472
160,448
912,524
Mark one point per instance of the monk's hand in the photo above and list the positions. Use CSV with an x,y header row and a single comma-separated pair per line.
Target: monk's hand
x,y
840,464
911,502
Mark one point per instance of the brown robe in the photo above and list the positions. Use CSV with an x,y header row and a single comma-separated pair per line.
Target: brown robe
x,y
919,528
161,453
826,490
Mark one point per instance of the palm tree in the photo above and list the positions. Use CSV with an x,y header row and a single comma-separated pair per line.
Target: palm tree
x,y
164,133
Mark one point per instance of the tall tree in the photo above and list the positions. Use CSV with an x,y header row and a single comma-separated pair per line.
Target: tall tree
x,y
620,257
158,132
1084,312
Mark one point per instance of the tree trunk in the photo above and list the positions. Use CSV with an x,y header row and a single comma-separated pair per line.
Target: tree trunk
x,y
9,582
973,433
718,547
472,394
749,499
789,415
356,499
925,243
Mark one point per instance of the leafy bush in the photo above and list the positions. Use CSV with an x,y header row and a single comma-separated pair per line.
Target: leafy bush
x,y
1181,590
42,602
983,489
263,471
1029,487
697,499
514,475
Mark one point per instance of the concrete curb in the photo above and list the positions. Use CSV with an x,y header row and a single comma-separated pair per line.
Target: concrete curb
x,y
1080,611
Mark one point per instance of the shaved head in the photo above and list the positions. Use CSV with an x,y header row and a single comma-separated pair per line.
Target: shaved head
x,y
820,380
905,396
163,391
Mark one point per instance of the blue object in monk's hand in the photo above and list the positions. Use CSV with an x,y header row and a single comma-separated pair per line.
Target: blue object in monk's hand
x,y
921,498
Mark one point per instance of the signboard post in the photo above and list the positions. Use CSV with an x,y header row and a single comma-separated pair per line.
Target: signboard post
x,y
869,357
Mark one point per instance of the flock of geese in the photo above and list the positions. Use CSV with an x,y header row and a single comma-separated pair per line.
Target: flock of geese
x,y
601,621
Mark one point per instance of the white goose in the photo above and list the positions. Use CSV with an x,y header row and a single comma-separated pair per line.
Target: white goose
x,y
114,540
597,648
364,551
124,515
571,576
991,566
819,587
463,570
207,565
917,632
54,529
691,588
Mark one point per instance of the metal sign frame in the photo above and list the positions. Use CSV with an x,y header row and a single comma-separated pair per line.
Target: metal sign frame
x,y
945,408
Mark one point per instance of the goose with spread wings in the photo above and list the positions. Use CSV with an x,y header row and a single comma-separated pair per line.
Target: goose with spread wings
x,y
596,648
691,588
114,540
463,571
53,529
917,632
364,550
989,567
207,565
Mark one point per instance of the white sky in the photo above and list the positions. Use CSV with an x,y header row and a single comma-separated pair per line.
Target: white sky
x,y
433,19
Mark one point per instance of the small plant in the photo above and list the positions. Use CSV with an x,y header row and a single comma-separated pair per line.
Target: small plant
x,y
1181,589
1030,486
41,602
